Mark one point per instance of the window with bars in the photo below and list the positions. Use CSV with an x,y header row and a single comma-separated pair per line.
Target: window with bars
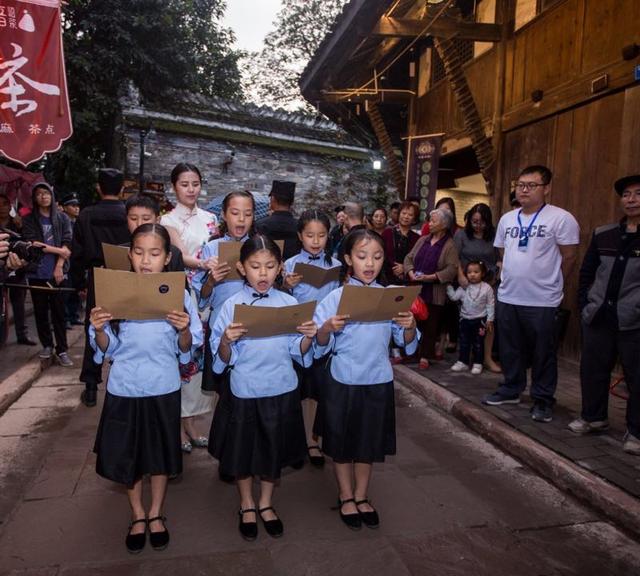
x,y
464,50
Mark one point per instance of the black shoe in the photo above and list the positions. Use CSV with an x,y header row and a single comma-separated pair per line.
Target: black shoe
x,y
67,326
369,519
77,323
135,542
317,461
273,527
353,521
26,341
159,540
248,530
298,465
89,398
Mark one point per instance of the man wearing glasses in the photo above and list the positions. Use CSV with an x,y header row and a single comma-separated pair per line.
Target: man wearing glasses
x,y
609,299
538,244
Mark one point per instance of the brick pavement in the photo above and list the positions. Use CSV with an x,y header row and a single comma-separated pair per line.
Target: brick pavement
x,y
599,453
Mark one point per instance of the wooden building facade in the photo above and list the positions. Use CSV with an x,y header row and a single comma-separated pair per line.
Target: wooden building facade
x,y
553,82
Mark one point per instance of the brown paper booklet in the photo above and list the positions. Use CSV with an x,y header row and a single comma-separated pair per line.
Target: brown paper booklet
x,y
116,257
316,276
262,321
364,304
131,296
229,252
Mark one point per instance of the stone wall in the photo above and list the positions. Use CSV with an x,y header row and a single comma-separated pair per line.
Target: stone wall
x,y
322,181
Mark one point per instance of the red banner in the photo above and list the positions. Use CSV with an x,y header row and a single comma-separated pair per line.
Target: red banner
x,y
423,157
34,106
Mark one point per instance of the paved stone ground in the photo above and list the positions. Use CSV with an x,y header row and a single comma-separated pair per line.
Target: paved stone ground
x,y
450,503
600,453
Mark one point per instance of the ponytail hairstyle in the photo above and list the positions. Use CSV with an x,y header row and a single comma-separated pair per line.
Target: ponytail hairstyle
x,y
181,168
316,216
349,242
156,229
222,226
259,242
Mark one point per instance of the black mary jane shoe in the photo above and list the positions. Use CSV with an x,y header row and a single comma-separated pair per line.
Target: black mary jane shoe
x,y
317,461
159,540
369,519
352,521
248,530
135,542
274,528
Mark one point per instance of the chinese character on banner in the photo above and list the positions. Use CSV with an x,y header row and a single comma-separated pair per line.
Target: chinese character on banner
x,y
34,105
422,170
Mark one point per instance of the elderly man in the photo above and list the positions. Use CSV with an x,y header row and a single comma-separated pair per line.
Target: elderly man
x,y
609,299
537,244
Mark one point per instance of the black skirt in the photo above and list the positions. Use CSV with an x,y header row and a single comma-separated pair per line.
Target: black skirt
x,y
310,380
211,382
257,436
357,422
138,436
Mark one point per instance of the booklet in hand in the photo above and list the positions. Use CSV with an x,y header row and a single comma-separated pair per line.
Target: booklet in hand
x,y
116,257
262,321
364,304
229,252
132,296
316,276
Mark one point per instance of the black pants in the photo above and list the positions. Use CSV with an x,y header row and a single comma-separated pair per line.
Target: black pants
x,y
91,373
602,342
71,304
472,340
17,297
431,329
45,303
527,334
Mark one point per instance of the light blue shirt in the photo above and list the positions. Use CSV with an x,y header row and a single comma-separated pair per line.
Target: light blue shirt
x,y
221,292
361,350
305,292
145,355
261,367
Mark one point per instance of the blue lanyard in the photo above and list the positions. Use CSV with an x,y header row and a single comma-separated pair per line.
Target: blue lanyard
x,y
524,238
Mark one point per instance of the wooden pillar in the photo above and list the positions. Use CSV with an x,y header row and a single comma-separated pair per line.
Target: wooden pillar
x,y
395,168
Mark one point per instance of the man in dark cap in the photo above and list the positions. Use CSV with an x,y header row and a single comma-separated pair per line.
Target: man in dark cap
x,y
105,222
71,206
282,225
609,300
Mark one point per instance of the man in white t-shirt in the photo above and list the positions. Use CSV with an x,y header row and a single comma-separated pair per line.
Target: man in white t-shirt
x,y
538,244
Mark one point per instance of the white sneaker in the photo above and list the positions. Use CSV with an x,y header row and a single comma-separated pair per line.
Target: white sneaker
x,y
476,369
459,367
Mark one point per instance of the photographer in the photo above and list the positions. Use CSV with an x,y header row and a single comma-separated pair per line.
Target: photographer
x,y
50,230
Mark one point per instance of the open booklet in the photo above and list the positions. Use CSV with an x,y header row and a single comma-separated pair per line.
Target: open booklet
x,y
364,304
316,276
132,296
262,321
116,257
229,252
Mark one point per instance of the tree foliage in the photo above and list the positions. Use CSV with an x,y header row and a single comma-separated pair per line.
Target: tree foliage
x,y
158,45
271,76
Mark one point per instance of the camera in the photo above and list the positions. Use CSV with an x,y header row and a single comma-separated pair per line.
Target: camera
x,y
24,250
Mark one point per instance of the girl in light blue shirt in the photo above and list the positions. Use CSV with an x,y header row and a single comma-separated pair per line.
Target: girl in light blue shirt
x,y
356,417
313,231
212,284
139,430
257,426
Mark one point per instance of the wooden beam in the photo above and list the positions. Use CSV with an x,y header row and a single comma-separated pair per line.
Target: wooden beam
x,y
444,27
385,95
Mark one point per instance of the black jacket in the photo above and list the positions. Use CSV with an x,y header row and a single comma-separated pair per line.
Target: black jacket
x,y
282,225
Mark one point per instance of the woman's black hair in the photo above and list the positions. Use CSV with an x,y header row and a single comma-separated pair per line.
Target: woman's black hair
x,y
485,213
480,264
317,216
181,168
222,226
259,242
449,202
386,214
350,240
158,230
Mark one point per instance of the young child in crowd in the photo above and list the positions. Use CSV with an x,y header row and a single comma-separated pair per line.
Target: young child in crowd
x,y
476,316
313,231
139,428
257,426
211,285
356,417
